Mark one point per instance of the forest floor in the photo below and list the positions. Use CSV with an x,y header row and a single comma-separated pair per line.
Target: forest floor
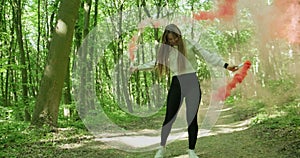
x,y
276,137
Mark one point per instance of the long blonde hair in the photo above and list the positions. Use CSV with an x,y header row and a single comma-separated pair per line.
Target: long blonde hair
x,y
162,60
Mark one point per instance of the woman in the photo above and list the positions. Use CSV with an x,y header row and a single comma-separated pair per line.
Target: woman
x,y
179,56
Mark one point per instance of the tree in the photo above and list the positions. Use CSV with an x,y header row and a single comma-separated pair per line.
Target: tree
x,y
17,18
50,92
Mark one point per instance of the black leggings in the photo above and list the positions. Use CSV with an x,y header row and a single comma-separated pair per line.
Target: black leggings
x,y
186,85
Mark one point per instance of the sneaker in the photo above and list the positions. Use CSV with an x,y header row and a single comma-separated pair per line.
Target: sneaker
x,y
160,152
192,154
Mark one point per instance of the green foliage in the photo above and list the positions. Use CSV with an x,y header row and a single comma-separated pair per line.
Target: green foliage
x,y
198,5
283,126
248,110
280,86
203,70
6,113
68,117
11,132
12,113
124,119
284,116
15,135
18,139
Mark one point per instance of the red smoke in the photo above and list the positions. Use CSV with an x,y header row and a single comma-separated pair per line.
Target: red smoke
x,y
238,78
132,47
281,19
287,22
226,10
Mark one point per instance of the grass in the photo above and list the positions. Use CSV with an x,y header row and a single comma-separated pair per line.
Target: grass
x,y
257,141
268,137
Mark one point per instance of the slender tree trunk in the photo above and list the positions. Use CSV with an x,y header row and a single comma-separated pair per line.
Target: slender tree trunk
x,y
78,35
116,55
90,77
122,67
31,87
48,99
96,13
12,80
98,68
67,90
4,84
87,13
78,30
137,74
3,95
18,21
37,60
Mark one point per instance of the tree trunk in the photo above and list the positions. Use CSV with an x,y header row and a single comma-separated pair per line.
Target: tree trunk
x,y
11,72
2,29
37,60
137,74
67,90
5,90
98,68
18,21
47,103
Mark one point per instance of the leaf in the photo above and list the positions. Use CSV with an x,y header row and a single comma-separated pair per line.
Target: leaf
x,y
2,70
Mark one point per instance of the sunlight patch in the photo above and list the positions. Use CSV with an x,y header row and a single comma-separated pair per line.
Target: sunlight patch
x,y
61,27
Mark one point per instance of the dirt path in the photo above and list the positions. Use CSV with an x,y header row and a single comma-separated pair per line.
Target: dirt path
x,y
227,139
148,138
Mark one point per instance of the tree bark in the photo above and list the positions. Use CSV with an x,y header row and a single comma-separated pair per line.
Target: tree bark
x,y
50,92
18,20
4,84
37,60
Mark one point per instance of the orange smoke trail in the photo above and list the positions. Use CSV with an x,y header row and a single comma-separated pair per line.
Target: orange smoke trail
x,y
226,10
238,78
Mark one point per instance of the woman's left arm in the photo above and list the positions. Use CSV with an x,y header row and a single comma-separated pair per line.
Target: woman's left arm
x,y
212,58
